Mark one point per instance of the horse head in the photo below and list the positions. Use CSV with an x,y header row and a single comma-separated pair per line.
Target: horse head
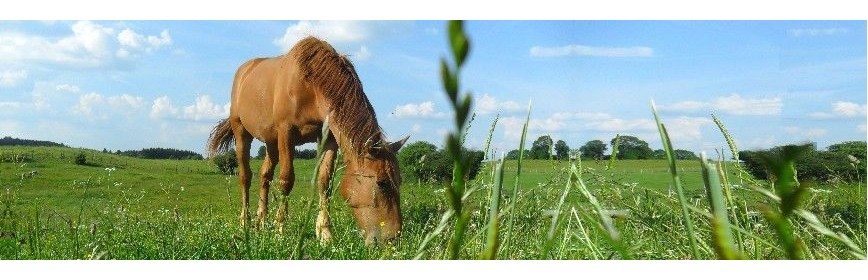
x,y
371,185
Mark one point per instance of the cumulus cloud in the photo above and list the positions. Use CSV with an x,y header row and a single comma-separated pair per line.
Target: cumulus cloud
x,y
345,35
162,107
90,45
132,42
802,32
424,110
842,109
733,104
10,78
582,50
488,104
67,88
94,104
205,109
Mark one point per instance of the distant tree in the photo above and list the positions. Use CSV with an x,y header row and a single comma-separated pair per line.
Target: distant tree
x,y
305,154
9,141
541,148
512,155
422,161
562,151
659,154
631,147
685,154
413,157
261,153
856,149
594,149
226,162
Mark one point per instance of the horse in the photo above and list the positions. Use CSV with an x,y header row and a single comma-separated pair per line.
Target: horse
x,y
284,102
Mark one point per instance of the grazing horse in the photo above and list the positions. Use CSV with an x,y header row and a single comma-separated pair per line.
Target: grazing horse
x,y
283,101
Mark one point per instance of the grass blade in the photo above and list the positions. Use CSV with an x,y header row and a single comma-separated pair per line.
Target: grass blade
x,y
667,147
492,241
721,235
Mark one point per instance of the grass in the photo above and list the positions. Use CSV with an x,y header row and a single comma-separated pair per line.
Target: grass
x,y
115,207
167,209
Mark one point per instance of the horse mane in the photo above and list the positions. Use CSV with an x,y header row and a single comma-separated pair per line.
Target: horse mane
x,y
334,74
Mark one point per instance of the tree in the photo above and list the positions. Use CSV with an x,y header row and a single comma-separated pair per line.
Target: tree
x,y
594,149
422,161
511,155
562,151
541,148
413,157
631,147
261,153
685,154
856,149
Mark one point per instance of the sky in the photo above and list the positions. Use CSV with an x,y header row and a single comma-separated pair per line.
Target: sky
x,y
125,85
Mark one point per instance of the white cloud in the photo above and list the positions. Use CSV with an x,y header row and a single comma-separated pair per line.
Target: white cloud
x,y
205,109
131,42
346,36
86,103
737,105
488,104
362,54
620,125
842,109
67,88
424,110
861,128
124,103
582,50
162,108
10,78
90,45
733,104
583,116
799,32
805,134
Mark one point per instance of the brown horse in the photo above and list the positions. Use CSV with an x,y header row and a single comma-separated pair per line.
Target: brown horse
x,y
283,102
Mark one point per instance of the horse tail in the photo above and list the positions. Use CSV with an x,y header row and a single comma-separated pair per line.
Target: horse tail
x,y
221,138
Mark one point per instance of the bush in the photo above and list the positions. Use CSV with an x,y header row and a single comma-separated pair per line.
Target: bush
x,y
80,159
422,161
226,163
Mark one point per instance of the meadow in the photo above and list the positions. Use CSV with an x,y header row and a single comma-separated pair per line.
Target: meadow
x,y
118,207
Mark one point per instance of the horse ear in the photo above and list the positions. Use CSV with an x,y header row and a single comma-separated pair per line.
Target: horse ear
x,y
395,146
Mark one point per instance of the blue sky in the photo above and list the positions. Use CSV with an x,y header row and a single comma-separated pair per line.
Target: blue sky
x,y
137,84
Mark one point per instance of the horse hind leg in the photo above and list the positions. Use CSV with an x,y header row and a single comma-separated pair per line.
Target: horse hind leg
x,y
266,173
326,168
242,154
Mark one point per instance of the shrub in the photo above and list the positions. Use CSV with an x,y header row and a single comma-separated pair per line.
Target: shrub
x,y
80,159
226,163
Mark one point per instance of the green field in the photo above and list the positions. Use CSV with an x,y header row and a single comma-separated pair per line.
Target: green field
x,y
119,207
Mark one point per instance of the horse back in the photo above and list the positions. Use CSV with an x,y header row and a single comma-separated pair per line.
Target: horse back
x,y
269,96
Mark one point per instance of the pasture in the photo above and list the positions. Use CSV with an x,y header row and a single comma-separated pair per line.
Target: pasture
x,y
118,207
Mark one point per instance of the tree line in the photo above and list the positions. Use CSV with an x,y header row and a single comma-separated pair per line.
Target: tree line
x,y
629,147
159,153
9,141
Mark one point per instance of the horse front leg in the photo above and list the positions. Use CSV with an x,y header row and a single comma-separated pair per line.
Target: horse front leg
x,y
266,173
286,179
326,168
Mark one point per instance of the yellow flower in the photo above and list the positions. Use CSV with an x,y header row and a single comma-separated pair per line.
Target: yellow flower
x,y
382,223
